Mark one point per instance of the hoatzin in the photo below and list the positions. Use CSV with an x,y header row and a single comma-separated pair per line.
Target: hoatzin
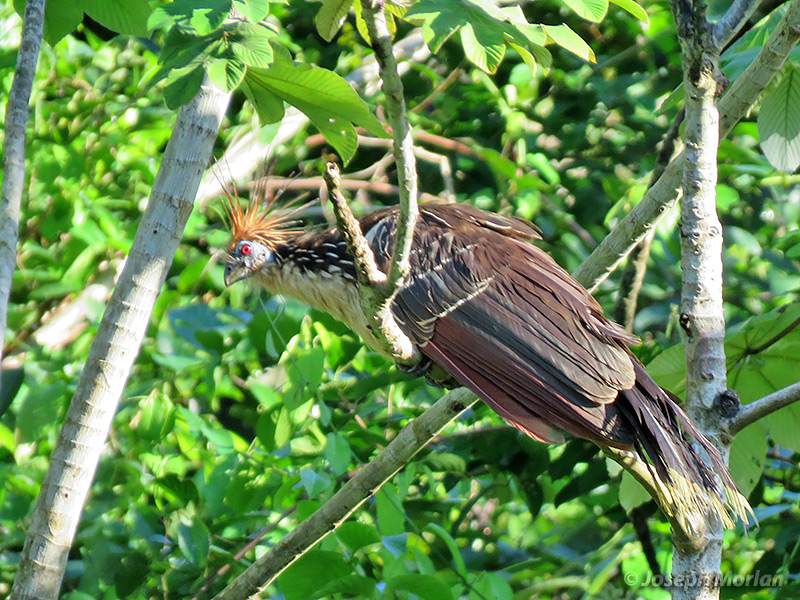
x,y
498,315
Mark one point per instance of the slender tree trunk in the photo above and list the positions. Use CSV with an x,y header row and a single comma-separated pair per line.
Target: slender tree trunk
x,y
14,151
88,420
695,573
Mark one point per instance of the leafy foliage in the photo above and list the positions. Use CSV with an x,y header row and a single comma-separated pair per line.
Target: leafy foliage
x,y
245,413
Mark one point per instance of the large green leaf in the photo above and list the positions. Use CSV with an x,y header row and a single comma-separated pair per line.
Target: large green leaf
x,y
569,40
324,97
311,572
251,43
330,17
123,16
779,123
591,10
252,10
633,8
485,29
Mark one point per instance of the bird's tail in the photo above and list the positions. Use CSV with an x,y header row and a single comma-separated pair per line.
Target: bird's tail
x,y
678,464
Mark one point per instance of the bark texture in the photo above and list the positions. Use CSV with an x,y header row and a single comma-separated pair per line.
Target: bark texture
x,y
88,420
14,151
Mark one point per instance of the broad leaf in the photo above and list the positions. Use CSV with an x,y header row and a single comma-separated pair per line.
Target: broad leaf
x,y
591,10
251,44
633,8
311,572
226,73
252,10
569,40
324,97
483,28
779,123
123,16
330,17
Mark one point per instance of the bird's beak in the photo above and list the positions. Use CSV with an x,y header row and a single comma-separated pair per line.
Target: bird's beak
x,y
234,271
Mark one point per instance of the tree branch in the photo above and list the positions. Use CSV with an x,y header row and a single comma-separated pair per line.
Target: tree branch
x,y
758,409
16,119
732,21
119,336
734,105
369,275
375,15
411,439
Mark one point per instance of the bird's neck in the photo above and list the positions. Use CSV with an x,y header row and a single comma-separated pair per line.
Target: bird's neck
x,y
317,270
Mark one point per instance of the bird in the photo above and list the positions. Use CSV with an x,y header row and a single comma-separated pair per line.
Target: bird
x,y
490,310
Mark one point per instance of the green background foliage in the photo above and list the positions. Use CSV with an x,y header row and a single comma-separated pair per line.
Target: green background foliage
x,y
244,412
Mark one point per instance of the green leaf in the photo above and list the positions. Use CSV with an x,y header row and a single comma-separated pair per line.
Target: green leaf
x,y
356,535
569,40
311,572
337,452
428,587
123,16
391,518
330,17
157,417
324,97
484,44
251,44
60,19
591,10
747,456
193,540
254,11
349,586
631,492
40,410
490,585
313,482
226,73
183,89
633,8
779,123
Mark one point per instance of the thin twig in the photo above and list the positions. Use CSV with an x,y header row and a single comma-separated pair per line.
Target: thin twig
x,y
758,409
438,90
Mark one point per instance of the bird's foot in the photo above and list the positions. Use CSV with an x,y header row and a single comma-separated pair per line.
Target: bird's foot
x,y
420,369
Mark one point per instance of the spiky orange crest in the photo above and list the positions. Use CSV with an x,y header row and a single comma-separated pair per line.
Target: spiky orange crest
x,y
256,224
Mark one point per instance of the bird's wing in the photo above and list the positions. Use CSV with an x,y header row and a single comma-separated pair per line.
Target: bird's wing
x,y
506,321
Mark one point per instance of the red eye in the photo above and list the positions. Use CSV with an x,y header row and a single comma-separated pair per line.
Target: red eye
x,y
246,249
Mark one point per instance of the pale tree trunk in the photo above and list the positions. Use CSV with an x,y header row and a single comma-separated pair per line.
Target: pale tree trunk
x,y
14,151
88,420
696,572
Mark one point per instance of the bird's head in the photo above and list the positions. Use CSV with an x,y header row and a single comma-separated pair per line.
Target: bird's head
x,y
247,257
256,235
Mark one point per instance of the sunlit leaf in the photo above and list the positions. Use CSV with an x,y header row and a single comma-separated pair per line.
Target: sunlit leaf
x,y
591,10
779,123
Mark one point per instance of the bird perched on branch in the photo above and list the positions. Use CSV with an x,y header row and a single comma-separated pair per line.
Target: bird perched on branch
x,y
498,315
